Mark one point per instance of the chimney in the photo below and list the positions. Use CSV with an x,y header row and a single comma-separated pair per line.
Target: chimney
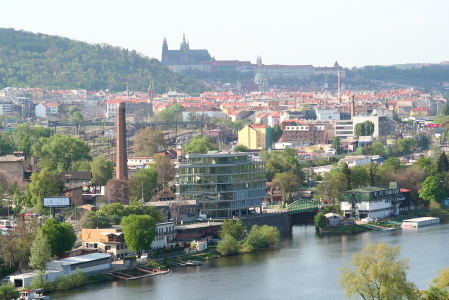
x,y
352,107
122,159
339,87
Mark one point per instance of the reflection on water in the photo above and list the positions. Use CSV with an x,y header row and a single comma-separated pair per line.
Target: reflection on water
x,y
304,266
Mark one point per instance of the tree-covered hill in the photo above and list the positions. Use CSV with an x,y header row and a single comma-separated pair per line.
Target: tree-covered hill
x,y
53,62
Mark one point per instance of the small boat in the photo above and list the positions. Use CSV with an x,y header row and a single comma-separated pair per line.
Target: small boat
x,y
37,294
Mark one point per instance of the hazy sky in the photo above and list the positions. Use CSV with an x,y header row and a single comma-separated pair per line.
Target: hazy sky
x,y
317,32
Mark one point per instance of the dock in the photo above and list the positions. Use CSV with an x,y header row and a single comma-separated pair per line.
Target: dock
x,y
145,270
419,222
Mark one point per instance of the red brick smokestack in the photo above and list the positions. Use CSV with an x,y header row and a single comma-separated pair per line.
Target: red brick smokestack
x,y
122,158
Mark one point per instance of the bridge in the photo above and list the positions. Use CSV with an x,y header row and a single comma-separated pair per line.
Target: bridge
x,y
302,206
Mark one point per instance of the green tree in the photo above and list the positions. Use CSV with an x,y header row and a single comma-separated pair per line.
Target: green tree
x,y
346,172
43,184
432,190
228,245
241,148
40,251
233,228
61,236
101,170
317,177
319,220
364,129
442,281
336,144
377,274
277,133
393,163
88,220
191,116
76,118
200,145
165,170
288,182
427,165
60,151
82,165
260,237
147,141
8,291
143,184
443,163
444,111
359,177
139,232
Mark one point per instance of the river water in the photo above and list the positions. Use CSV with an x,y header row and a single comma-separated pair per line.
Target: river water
x,y
304,266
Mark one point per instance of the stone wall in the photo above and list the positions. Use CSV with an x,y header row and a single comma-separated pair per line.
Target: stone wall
x,y
282,221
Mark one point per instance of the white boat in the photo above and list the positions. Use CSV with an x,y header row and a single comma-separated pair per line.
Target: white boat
x,y
37,294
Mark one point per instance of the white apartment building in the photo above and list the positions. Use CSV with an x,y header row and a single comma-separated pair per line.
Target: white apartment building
x,y
165,236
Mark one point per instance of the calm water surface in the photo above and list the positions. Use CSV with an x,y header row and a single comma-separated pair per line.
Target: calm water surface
x,y
304,266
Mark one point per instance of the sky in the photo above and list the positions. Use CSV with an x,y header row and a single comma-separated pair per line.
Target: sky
x,y
297,32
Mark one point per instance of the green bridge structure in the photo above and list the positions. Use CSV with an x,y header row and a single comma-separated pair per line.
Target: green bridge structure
x,y
302,206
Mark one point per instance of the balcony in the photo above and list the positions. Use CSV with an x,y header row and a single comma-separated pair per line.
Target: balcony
x,y
112,241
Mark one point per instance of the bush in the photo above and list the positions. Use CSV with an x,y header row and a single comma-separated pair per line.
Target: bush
x,y
8,291
129,257
261,237
319,220
152,264
228,245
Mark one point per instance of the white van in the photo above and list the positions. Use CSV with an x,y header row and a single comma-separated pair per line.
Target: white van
x,y
201,218
331,151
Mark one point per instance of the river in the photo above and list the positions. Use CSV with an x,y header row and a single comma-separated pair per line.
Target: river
x,y
304,266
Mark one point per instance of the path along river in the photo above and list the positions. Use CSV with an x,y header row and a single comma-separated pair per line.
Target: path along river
x,y
304,266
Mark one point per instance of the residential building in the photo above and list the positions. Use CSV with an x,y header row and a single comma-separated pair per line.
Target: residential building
x,y
274,118
327,114
139,161
197,230
224,184
165,236
312,132
419,111
185,211
356,160
13,166
333,71
44,110
256,137
298,114
375,202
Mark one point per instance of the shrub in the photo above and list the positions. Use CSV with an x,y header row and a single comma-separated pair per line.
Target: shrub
x,y
319,220
260,237
228,245
8,291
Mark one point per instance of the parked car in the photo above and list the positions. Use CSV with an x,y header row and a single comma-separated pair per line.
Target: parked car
x,y
6,279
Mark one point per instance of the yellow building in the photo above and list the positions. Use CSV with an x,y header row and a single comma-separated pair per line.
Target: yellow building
x,y
255,137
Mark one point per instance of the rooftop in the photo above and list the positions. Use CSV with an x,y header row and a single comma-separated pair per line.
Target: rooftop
x,y
82,258
198,225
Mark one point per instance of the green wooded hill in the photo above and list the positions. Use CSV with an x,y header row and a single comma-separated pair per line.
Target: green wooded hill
x,y
52,62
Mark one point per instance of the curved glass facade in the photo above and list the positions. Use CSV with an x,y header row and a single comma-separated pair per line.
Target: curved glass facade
x,y
224,184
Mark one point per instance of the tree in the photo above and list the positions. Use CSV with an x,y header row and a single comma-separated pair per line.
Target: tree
x,y
147,141
432,190
8,291
241,148
346,171
228,245
143,184
88,220
61,236
288,182
43,184
139,232
377,274
101,170
191,116
117,191
165,169
364,129
427,165
277,133
442,281
359,177
336,144
443,163
233,228
393,162
60,151
317,177
200,145
40,251
83,165
76,118
319,220
260,237
444,111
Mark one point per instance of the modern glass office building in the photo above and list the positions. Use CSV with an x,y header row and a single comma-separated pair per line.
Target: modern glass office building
x,y
224,184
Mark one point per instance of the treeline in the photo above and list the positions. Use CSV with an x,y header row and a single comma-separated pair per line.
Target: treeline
x,y
53,62
427,74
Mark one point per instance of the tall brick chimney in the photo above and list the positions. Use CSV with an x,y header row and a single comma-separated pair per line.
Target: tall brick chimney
x,y
121,169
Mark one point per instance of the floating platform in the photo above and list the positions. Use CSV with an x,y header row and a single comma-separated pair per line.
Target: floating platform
x,y
419,222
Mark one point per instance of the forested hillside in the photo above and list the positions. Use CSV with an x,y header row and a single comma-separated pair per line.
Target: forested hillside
x,y
53,62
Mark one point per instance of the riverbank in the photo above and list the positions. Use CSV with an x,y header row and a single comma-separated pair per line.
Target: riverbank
x,y
345,229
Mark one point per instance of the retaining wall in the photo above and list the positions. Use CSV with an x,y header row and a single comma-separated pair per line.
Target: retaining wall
x,y
282,221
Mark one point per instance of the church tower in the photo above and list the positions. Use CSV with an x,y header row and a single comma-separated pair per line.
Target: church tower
x,y
259,60
184,49
165,56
